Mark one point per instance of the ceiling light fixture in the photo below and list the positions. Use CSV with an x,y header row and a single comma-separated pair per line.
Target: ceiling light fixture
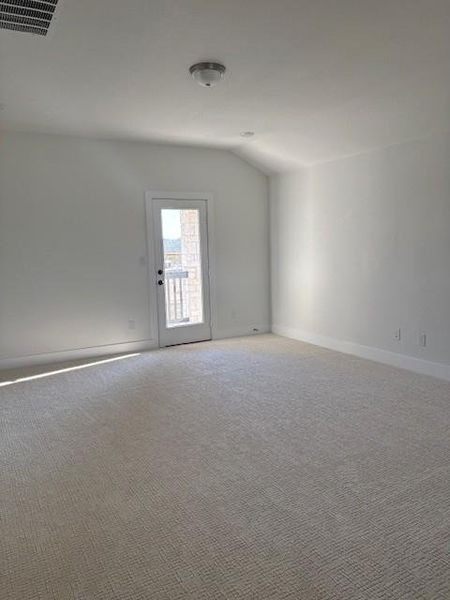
x,y
207,74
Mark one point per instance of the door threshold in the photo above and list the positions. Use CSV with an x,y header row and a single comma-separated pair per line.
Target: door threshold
x,y
185,343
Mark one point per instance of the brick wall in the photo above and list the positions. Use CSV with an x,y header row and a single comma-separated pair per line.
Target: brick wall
x,y
191,261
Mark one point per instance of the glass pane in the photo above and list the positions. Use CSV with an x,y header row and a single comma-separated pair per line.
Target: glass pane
x,y
182,266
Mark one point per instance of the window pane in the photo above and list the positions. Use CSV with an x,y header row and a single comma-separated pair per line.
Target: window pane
x,y
182,266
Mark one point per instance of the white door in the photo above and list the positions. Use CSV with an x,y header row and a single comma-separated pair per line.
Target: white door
x,y
181,270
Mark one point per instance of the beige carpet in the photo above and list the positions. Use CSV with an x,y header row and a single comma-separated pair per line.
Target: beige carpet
x,y
257,468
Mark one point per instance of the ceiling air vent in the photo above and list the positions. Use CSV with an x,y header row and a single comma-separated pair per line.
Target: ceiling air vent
x,y
30,16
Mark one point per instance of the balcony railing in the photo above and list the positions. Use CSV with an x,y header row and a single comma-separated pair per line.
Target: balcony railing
x,y
177,309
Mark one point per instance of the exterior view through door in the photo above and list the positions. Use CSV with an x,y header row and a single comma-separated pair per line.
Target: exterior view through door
x,y
182,272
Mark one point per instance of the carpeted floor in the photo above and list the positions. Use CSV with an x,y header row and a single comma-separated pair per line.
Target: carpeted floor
x,y
257,468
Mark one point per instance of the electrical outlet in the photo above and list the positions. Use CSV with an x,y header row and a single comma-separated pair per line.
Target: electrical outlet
x,y
131,324
423,340
398,334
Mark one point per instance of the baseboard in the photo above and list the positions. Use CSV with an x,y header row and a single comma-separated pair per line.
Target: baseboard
x,y
49,358
221,334
76,354
402,361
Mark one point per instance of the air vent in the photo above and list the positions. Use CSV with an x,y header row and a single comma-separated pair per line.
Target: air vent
x,y
30,16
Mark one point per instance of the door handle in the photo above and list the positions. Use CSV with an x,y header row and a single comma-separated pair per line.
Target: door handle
x,y
160,282
160,271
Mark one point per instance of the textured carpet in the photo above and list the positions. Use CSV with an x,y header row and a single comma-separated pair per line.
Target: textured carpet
x,y
257,468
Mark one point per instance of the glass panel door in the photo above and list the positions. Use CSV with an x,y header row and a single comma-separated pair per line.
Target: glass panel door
x,y
182,271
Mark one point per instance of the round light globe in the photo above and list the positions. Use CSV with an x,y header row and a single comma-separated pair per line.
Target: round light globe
x,y
207,74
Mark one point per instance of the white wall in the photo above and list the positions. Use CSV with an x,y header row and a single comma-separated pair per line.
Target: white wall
x,y
72,231
361,247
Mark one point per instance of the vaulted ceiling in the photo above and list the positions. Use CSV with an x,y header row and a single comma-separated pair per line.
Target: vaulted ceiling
x,y
315,79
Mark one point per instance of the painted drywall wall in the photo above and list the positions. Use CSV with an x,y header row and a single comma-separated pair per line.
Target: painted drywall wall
x,y
73,234
361,248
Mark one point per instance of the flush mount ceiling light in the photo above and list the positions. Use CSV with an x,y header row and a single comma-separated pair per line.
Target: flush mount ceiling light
x,y
207,74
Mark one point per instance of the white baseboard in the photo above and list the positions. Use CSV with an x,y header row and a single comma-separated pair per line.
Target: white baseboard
x,y
49,358
220,334
76,354
402,361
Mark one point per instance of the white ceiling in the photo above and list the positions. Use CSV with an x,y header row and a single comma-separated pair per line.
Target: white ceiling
x,y
315,79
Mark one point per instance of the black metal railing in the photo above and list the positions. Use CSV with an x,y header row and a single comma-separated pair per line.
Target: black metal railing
x,y
177,306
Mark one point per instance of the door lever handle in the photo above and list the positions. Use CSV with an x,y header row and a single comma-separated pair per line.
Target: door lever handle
x,y
160,282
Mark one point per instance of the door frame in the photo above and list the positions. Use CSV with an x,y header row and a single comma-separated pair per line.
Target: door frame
x,y
150,196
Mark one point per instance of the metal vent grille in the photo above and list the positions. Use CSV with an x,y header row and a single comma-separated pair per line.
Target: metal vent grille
x,y
30,16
